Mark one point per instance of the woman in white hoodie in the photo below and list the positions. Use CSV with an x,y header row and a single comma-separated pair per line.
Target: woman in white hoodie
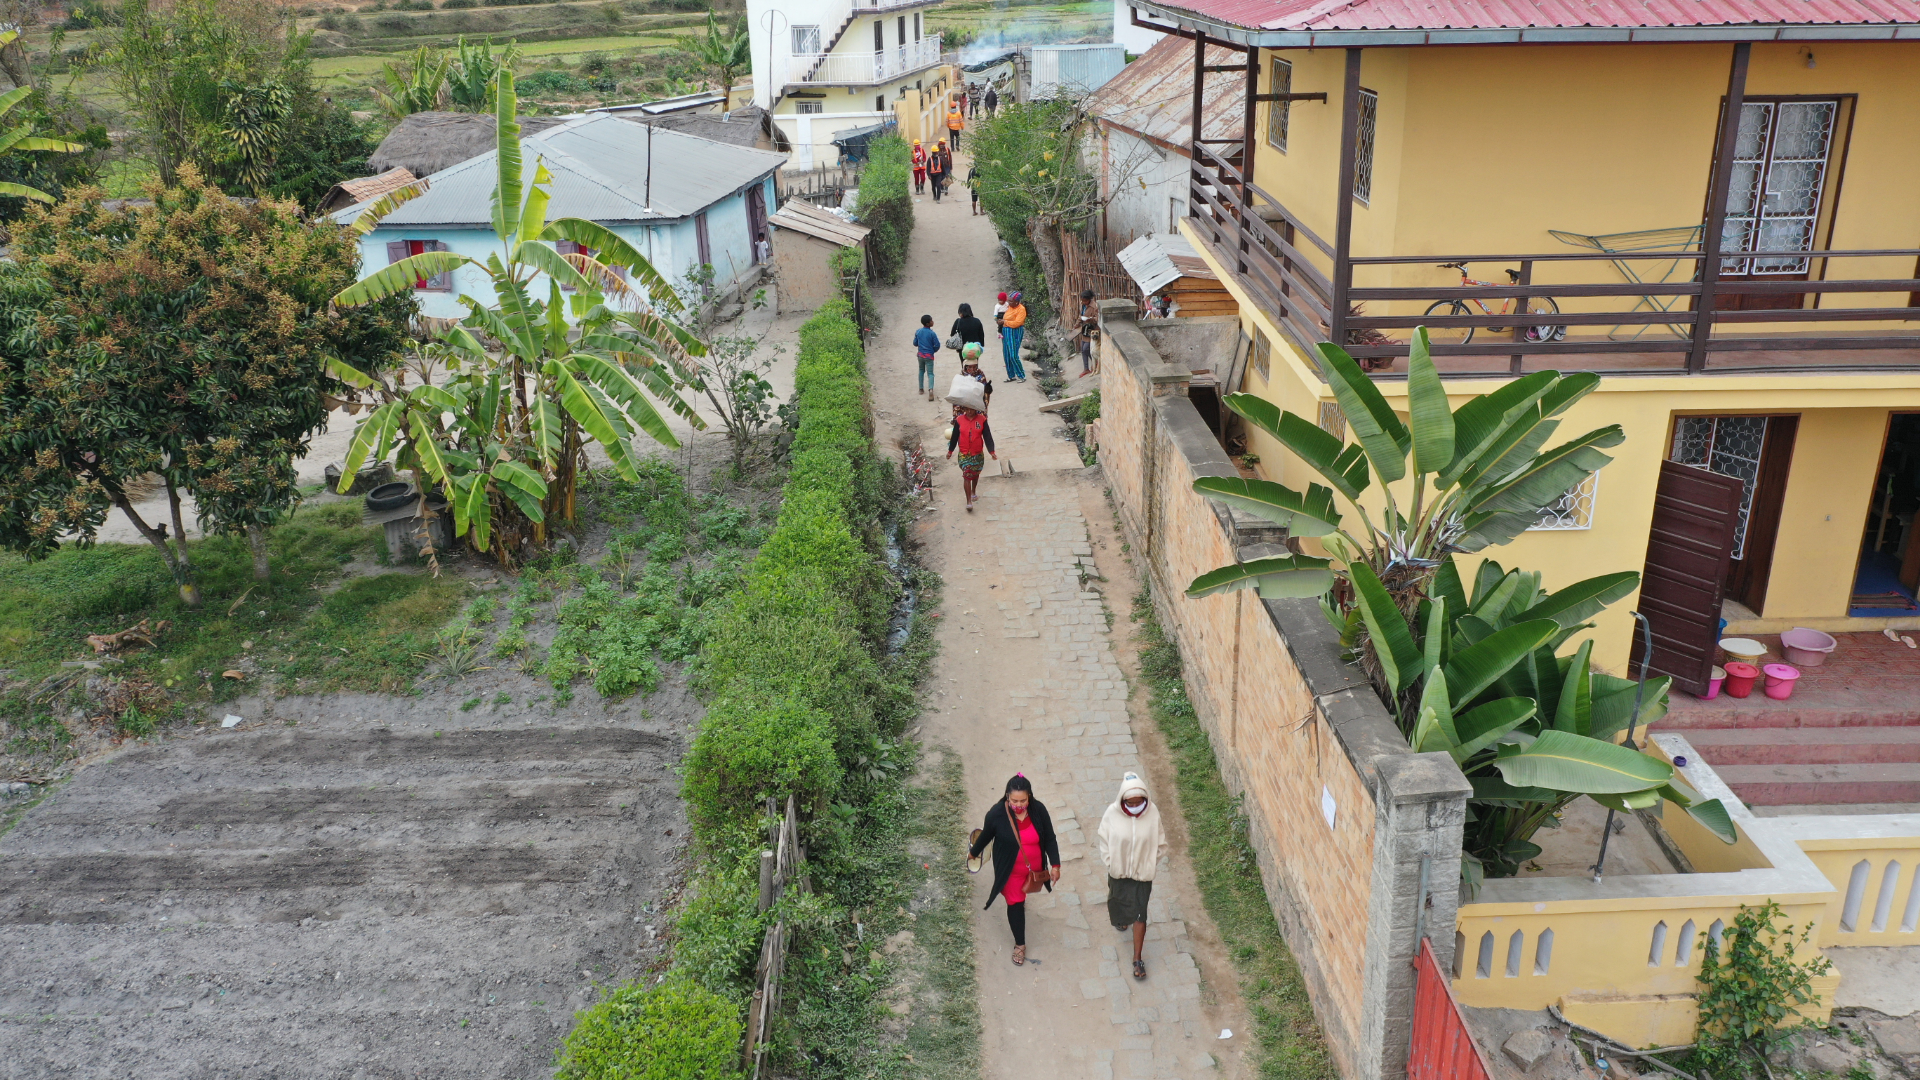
x,y
1131,844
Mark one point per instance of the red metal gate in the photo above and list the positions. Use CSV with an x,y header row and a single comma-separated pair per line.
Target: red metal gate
x,y
1443,1049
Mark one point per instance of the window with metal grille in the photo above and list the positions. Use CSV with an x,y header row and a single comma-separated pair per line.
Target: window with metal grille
x,y
1279,112
1730,446
806,40
809,108
1262,353
1779,175
1363,146
1574,510
1332,420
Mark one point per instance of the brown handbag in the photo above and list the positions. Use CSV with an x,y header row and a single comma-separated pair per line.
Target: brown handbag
x,y
1037,876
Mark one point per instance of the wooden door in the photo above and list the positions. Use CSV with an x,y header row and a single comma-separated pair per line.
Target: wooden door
x,y
1747,574
756,219
1689,546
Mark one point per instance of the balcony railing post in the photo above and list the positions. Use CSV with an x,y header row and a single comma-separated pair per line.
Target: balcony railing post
x,y
1343,200
1516,361
1717,207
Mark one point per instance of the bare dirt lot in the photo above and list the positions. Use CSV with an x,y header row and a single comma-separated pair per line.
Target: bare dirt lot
x,y
354,886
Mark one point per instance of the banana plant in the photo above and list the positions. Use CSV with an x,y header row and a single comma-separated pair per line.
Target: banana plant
x,y
1533,731
1473,477
529,382
22,138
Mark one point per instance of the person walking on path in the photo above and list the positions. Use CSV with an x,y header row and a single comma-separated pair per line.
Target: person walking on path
x,y
1013,330
1131,844
936,169
971,435
1026,855
919,168
968,329
1089,331
926,345
970,367
955,123
973,184
993,100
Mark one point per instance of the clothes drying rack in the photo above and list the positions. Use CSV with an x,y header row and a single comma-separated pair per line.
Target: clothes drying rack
x,y
1683,241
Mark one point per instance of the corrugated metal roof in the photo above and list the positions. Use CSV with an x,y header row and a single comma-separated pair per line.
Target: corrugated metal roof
x,y
804,217
599,168
1873,18
1153,96
1158,259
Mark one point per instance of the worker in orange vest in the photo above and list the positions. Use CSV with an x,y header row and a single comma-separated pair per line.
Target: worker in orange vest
x,y
954,123
919,168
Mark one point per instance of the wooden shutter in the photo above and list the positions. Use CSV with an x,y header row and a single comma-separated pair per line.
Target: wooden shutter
x,y
1689,545
396,250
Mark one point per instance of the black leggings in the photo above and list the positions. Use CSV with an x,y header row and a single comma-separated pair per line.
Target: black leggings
x,y
1017,921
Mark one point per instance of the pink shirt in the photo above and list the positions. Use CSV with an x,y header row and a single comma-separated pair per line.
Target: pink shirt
x,y
1016,888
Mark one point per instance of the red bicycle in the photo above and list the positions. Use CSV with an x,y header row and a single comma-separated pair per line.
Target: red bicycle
x,y
1460,335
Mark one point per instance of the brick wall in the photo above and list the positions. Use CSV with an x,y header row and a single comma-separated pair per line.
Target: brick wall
x,y
1295,731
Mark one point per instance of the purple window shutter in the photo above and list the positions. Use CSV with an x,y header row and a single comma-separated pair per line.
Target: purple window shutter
x,y
396,250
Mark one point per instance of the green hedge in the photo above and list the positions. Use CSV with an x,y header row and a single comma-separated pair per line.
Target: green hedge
x,y
886,205
674,1031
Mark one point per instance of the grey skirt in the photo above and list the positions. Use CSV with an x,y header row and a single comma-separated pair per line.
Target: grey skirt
x,y
1127,901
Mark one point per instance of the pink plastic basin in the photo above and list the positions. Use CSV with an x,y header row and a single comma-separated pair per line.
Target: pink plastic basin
x,y
1807,648
1780,680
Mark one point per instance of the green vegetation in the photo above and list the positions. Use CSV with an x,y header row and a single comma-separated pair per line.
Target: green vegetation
x,y
1751,990
885,204
674,1031
1033,186
1291,1046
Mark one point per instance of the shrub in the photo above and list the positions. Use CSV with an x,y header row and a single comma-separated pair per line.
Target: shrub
x,y
752,747
886,206
674,1031
456,5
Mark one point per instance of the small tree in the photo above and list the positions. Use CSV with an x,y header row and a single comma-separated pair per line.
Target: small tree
x,y
475,72
724,54
1752,986
732,375
416,84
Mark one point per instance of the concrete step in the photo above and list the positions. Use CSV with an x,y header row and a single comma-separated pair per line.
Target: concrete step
x,y
1774,785
1688,713
1807,745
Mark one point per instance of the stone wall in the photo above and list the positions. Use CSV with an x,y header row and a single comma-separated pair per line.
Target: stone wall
x,y
1358,837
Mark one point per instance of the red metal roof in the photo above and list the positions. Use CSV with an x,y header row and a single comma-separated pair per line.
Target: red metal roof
x,y
1874,18
1153,96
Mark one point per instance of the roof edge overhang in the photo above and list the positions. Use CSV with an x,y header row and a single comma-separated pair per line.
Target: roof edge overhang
x,y
1527,35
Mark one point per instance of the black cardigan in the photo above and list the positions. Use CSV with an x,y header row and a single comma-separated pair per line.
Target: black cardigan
x,y
970,329
998,830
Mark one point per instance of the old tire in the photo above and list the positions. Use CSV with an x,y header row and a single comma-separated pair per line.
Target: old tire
x,y
390,497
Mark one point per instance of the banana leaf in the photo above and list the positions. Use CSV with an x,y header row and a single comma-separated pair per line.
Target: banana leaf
x,y
1281,578
1369,417
1562,761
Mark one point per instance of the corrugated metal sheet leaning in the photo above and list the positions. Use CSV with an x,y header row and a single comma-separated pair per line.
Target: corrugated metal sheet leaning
x,y
601,172
824,224
1157,260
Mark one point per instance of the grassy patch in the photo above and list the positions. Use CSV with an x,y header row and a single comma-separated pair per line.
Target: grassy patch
x,y
1291,1046
944,1036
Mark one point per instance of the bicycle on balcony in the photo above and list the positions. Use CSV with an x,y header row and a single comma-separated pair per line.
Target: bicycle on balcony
x,y
1461,335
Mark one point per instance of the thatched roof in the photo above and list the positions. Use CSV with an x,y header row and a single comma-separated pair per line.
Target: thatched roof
x,y
349,192
428,142
749,125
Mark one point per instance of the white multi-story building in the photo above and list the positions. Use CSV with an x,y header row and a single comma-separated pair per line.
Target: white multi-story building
x,y
821,67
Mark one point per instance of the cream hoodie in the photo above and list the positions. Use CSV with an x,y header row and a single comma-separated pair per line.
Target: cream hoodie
x,y
1131,846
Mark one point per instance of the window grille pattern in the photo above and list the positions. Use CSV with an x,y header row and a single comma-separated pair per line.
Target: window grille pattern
x,y
1279,112
1332,420
1574,510
1779,174
1730,446
806,40
809,108
1363,146
1262,354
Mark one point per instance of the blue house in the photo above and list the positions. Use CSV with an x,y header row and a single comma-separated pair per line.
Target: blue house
x,y
682,201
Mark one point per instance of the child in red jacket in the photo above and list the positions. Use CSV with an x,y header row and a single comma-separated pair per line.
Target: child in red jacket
x,y
971,435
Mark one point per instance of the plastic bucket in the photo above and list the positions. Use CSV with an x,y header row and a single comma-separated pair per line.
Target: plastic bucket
x,y
1780,680
1745,650
1713,684
1740,679
1807,648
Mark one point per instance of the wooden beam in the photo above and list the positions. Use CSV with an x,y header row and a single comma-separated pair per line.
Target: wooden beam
x,y
1319,97
1343,203
1199,84
1717,204
1253,84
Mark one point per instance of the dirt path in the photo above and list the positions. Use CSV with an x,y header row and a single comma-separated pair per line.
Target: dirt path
x,y
1033,678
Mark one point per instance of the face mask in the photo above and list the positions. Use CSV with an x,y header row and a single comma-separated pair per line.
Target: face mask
x,y
1018,811
1131,812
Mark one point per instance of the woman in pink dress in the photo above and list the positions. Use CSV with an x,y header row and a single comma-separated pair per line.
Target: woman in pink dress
x,y
1026,854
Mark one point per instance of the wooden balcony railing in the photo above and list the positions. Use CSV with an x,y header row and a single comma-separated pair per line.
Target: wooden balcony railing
x,y
1605,321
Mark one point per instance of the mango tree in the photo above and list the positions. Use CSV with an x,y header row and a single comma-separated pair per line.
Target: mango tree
x,y
529,383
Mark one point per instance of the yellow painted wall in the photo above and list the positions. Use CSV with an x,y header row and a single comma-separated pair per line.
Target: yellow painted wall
x,y
1483,150
1836,457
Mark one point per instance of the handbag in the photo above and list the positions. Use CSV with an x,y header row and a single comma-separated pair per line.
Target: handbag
x,y
1037,876
953,342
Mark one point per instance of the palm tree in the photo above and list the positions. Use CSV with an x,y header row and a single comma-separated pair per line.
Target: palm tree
x,y
725,54
21,137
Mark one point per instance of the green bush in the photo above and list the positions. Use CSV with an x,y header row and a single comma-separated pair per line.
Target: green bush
x,y
885,204
674,1031
752,747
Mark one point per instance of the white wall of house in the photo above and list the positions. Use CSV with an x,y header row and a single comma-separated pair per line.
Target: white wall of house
x,y
854,91
1146,185
672,246
1135,39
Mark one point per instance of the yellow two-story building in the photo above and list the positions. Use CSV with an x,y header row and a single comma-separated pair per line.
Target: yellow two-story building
x,y
1716,206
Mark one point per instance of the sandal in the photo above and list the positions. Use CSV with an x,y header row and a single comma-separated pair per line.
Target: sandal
x,y
1019,956
973,861
1140,969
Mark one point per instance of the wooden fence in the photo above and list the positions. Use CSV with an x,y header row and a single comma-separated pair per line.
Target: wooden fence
x,y
779,867
823,186
1087,264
